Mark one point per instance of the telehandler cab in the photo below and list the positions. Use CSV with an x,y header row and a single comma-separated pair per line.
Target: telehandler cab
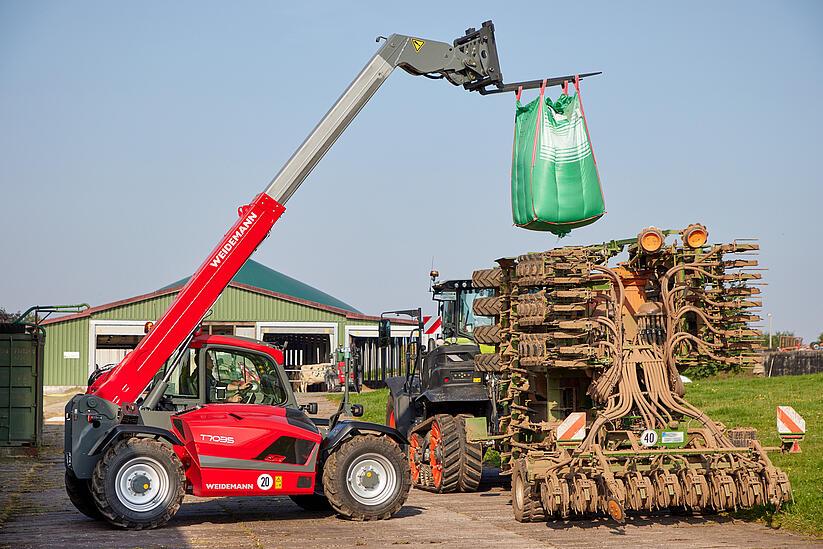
x,y
134,444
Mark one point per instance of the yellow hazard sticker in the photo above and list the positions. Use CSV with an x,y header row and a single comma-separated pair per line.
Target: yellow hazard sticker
x,y
417,43
477,379
278,482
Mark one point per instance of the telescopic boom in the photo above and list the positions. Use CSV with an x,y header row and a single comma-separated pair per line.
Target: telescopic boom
x,y
470,61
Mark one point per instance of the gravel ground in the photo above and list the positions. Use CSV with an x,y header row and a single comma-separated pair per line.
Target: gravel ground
x,y
35,512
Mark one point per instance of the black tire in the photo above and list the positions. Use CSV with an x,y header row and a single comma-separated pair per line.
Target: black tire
x,y
446,464
314,503
488,335
489,362
471,460
353,456
526,505
79,492
138,454
487,278
488,306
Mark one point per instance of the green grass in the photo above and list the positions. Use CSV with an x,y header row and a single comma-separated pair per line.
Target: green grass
x,y
374,404
744,401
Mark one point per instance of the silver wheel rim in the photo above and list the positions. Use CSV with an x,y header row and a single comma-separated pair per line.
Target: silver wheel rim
x,y
142,484
371,479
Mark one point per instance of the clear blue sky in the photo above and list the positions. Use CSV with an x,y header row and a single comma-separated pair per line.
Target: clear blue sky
x,y
131,131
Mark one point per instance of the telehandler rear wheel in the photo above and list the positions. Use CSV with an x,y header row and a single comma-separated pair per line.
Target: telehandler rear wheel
x,y
79,492
367,478
138,484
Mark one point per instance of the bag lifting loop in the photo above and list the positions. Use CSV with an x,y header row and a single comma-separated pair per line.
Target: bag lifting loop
x,y
518,93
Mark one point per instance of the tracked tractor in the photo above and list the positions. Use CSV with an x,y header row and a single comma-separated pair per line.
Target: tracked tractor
x,y
444,400
135,444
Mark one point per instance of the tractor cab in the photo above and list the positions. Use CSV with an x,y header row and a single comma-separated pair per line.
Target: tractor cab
x,y
454,305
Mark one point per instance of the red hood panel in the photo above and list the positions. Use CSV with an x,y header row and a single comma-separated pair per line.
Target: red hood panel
x,y
238,431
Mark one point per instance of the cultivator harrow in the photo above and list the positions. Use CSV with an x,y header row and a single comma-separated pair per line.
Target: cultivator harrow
x,y
588,356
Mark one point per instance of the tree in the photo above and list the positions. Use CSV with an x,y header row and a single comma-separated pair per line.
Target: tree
x,y
7,316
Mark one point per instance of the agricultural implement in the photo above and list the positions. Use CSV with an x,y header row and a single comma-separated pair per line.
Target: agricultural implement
x,y
587,357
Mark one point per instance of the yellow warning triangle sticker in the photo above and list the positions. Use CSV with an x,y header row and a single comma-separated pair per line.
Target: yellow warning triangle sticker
x,y
417,43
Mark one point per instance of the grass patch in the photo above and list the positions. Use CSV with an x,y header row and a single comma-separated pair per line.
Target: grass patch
x,y
374,404
745,401
740,401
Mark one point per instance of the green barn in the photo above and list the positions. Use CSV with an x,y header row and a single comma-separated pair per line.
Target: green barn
x,y
259,302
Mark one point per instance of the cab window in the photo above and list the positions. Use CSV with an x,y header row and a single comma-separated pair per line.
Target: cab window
x,y
242,377
184,380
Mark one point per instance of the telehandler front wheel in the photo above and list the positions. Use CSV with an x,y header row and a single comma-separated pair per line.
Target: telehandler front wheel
x,y
79,492
138,484
367,478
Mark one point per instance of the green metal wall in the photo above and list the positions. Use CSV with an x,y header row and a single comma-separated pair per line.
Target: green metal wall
x,y
72,335
234,305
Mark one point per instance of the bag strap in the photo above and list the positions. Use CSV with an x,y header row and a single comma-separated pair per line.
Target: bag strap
x,y
539,122
565,87
518,93
586,127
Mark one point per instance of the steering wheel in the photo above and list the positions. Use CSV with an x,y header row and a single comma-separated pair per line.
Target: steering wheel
x,y
247,393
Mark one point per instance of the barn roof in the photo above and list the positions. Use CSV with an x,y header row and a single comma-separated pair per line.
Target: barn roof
x,y
257,275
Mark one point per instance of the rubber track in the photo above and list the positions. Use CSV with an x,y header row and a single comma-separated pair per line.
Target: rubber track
x,y
101,471
489,362
471,460
487,278
450,432
489,335
488,306
336,500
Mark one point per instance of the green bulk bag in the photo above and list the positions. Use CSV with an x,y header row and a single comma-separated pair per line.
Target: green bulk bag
x,y
555,185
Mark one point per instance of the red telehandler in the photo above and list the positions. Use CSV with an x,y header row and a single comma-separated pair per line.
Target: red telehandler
x,y
215,415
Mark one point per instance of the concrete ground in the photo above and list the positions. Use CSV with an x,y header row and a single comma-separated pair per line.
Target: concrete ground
x,y
35,512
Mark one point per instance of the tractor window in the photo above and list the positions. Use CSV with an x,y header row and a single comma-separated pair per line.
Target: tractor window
x,y
467,320
239,376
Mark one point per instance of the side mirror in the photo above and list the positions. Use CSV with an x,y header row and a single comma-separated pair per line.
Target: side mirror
x,y
310,408
357,410
384,332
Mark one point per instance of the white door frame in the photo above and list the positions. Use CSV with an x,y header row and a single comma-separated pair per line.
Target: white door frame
x,y
94,324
